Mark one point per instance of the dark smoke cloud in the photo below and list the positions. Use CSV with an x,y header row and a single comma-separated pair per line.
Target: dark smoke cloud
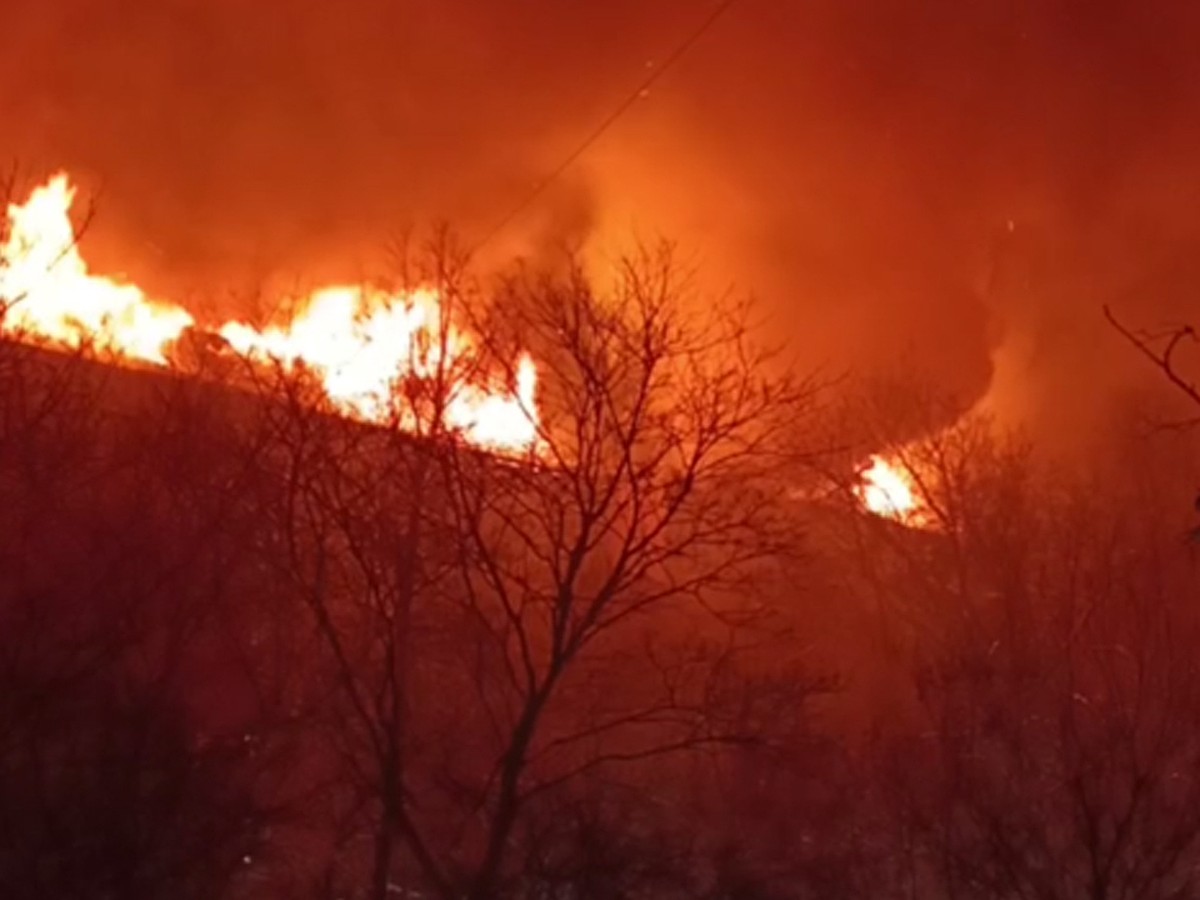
x,y
897,181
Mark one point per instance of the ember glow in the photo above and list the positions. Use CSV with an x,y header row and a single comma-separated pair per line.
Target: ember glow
x,y
887,490
356,341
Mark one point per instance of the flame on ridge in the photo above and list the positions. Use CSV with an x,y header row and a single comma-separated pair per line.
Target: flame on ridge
x,y
356,341
887,490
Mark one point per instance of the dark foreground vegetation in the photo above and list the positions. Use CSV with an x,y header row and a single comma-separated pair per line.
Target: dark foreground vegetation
x,y
250,649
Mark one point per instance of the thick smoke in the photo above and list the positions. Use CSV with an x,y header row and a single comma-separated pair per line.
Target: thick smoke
x,y
959,184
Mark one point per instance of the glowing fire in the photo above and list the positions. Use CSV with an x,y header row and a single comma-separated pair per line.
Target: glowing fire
x,y
887,490
49,294
357,342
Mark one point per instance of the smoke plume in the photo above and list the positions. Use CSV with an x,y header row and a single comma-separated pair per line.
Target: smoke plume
x,y
959,184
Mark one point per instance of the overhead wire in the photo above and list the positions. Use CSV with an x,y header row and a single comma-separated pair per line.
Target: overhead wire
x,y
639,92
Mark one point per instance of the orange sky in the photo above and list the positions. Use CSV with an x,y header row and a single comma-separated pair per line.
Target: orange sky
x,y
855,164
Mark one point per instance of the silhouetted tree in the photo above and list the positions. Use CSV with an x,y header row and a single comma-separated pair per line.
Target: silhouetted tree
x,y
1052,747
1162,350
500,628
125,770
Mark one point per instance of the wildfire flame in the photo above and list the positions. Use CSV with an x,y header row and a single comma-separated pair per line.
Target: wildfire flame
x,y
887,490
356,341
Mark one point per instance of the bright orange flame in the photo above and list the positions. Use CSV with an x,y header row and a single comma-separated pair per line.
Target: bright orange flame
x,y
49,294
887,491
357,342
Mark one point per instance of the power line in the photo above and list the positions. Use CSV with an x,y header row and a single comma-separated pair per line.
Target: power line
x,y
595,135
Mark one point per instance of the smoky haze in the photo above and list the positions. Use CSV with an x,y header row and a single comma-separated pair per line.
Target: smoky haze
x,y
959,185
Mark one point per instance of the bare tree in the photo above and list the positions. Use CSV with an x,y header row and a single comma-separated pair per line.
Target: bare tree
x,y
122,774
132,761
1053,745
654,502
500,628
1162,350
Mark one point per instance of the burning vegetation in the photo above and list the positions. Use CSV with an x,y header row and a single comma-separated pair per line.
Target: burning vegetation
x,y
885,489
537,571
355,341
371,564
357,612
